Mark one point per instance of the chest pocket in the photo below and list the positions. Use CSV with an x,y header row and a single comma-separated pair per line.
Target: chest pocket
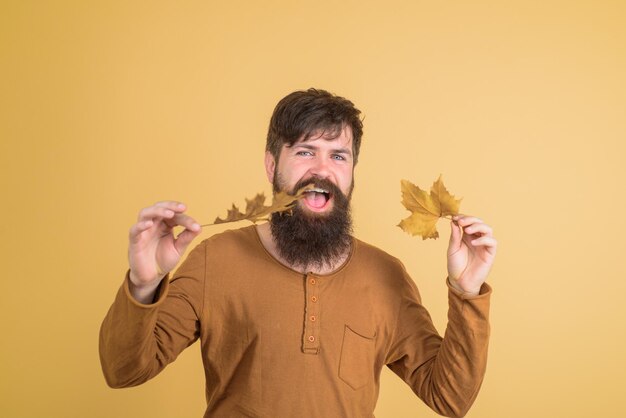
x,y
356,365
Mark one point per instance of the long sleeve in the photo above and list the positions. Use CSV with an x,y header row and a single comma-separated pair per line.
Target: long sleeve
x,y
137,341
445,373
248,309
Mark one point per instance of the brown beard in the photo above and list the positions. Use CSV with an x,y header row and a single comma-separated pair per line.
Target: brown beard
x,y
306,239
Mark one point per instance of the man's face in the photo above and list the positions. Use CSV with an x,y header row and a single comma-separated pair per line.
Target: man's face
x,y
318,158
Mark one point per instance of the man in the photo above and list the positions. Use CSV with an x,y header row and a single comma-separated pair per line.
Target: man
x,y
295,317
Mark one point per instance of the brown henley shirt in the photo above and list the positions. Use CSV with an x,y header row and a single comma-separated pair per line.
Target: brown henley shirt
x,y
278,343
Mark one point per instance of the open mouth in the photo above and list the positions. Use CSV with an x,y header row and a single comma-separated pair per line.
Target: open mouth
x,y
317,198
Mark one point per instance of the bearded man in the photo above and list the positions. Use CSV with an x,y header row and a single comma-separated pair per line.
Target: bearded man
x,y
296,317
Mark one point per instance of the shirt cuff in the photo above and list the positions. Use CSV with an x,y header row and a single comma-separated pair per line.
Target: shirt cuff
x,y
485,291
159,296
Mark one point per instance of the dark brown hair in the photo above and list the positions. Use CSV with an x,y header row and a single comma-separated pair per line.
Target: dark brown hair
x,y
302,114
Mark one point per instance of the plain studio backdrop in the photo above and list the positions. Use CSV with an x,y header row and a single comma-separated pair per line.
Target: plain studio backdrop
x,y
107,107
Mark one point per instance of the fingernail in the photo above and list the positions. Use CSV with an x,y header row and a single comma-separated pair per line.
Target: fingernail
x,y
195,227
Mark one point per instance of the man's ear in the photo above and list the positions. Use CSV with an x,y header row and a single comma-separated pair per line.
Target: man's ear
x,y
270,166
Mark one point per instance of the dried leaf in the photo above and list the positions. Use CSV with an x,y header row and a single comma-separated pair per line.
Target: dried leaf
x,y
426,208
256,210
233,215
283,202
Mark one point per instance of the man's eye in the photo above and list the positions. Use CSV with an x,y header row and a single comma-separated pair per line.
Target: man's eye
x,y
338,157
304,153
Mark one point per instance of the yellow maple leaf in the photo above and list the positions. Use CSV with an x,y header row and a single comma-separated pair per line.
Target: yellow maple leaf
x,y
256,210
426,208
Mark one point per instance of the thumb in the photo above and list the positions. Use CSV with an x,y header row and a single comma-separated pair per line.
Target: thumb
x,y
455,237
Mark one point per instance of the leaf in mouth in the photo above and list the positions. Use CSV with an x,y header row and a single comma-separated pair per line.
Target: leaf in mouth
x,y
256,210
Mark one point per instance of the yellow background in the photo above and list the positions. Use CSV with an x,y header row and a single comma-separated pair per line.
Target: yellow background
x,y
109,106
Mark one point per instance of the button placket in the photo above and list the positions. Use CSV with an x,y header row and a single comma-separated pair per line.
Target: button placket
x,y
310,337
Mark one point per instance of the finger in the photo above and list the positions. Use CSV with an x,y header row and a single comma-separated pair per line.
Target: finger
x,y
465,220
185,221
184,239
172,205
489,243
478,228
155,212
135,231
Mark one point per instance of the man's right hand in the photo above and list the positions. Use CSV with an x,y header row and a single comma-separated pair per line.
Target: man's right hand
x,y
153,250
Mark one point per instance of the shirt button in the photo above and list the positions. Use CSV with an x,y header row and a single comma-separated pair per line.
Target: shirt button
x,y
313,318
314,298
312,281
311,338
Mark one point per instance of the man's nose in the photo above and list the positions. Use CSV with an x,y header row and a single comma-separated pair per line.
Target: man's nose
x,y
320,168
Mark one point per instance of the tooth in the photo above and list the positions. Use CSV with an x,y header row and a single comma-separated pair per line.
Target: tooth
x,y
317,190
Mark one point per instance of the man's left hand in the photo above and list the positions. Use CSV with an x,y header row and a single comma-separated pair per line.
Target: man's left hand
x,y
471,252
